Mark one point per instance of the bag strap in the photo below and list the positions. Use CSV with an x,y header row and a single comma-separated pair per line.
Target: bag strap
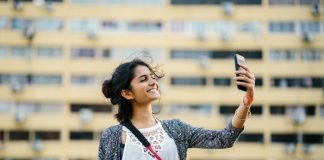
x,y
140,137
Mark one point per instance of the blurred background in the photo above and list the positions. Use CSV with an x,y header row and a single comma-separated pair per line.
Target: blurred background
x,y
54,55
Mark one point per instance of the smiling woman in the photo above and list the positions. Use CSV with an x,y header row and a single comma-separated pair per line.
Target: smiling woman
x,y
133,87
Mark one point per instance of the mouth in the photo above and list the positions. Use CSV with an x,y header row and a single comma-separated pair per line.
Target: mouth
x,y
152,90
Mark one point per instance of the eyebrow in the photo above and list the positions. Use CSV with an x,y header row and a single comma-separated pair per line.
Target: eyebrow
x,y
144,75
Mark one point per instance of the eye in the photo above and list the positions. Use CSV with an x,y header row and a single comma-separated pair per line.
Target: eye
x,y
143,79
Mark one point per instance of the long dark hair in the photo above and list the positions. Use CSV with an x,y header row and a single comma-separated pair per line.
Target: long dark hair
x,y
121,79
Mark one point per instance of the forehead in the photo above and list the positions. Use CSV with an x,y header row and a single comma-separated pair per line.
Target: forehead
x,y
141,70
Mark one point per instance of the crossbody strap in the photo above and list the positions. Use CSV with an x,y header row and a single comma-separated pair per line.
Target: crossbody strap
x,y
140,137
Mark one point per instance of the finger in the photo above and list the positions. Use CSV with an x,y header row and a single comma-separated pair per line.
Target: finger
x,y
244,84
243,72
244,79
244,66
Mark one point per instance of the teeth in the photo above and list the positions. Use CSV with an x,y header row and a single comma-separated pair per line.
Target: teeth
x,y
151,90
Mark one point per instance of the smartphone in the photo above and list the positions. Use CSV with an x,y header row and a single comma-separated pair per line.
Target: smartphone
x,y
238,59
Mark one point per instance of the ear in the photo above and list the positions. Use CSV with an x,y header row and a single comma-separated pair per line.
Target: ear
x,y
127,94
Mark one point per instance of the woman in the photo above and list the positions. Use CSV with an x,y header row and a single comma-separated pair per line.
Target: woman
x,y
133,87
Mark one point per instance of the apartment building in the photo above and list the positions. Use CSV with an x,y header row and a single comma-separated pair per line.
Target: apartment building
x,y
54,55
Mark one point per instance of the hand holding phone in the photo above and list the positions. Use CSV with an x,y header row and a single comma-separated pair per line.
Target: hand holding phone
x,y
238,59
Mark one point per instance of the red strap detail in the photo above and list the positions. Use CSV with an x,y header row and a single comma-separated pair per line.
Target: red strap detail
x,y
155,154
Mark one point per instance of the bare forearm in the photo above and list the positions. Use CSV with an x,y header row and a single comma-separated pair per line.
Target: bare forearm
x,y
240,116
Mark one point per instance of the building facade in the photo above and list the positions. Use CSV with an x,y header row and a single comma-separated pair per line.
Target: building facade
x,y
54,55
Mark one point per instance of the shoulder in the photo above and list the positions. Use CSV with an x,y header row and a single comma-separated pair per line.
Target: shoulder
x,y
174,123
112,131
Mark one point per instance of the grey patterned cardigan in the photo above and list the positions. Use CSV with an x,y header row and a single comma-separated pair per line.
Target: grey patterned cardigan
x,y
184,135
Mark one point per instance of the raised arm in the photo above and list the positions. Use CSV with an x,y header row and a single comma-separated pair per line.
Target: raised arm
x,y
247,80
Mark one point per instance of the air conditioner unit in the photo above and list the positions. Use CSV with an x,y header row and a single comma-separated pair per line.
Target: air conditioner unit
x,y
290,148
201,35
316,9
92,34
228,7
29,32
298,115
308,148
204,61
307,37
86,115
37,145
18,5
20,115
49,6
226,36
16,86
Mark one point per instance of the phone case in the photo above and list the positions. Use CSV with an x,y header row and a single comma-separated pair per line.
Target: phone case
x,y
239,59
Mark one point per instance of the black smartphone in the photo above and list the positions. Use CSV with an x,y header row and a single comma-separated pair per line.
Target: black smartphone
x,y
238,59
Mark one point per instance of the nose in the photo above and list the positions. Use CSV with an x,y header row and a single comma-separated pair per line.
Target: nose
x,y
153,82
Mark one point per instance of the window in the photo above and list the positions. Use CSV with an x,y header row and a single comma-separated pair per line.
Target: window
x,y
248,54
144,26
204,109
258,81
188,81
308,2
281,27
81,135
110,26
106,53
5,107
85,2
188,54
256,110
49,52
227,109
18,135
281,2
82,80
52,108
285,55
1,136
253,28
322,110
21,52
4,52
303,82
46,79
49,25
251,137
82,53
135,3
14,79
204,2
310,110
93,107
47,135
277,110
284,138
84,25
285,82
222,81
222,54
4,22
310,55
310,27
309,138
20,24
177,26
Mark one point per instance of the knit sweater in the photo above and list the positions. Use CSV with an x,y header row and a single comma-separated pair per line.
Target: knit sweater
x,y
184,135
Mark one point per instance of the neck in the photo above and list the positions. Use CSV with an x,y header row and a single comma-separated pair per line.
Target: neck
x,y
142,116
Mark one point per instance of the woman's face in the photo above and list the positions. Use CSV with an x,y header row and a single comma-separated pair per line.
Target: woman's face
x,y
144,86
